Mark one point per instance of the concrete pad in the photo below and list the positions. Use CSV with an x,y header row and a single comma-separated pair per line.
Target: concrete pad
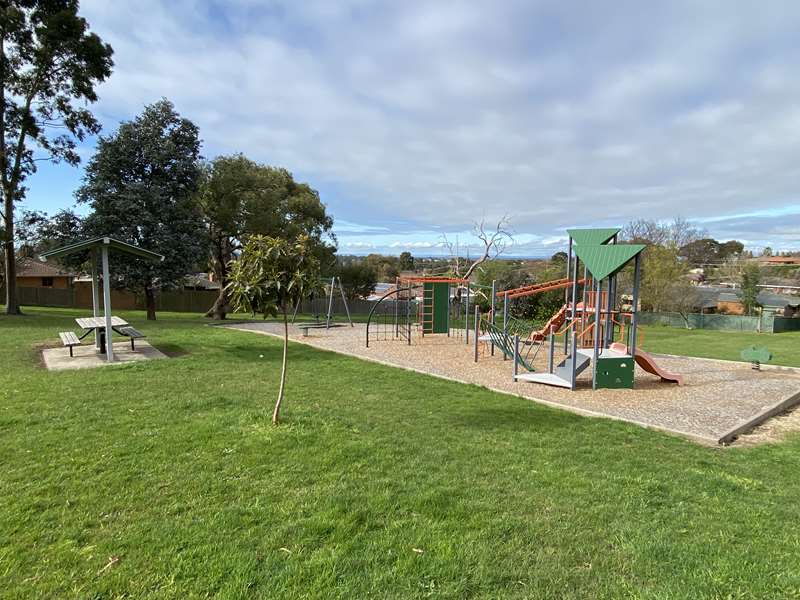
x,y
58,359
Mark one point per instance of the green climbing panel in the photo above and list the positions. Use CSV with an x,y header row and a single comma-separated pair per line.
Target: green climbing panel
x,y
614,373
435,307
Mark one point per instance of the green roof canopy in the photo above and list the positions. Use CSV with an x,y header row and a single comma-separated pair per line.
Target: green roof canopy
x,y
606,260
111,243
592,237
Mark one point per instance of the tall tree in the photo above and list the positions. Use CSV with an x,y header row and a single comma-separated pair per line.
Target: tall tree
x,y
49,66
141,185
239,198
751,277
406,261
272,275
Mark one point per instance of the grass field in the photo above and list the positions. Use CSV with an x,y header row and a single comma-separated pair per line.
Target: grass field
x,y
165,479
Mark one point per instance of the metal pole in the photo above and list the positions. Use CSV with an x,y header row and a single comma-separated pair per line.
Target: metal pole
x,y
107,306
494,291
505,321
567,293
466,317
95,299
330,305
552,350
606,334
516,357
344,300
585,296
635,307
396,306
596,333
574,358
477,325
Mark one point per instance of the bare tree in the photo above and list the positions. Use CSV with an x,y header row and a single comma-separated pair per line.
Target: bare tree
x,y
676,233
494,242
683,298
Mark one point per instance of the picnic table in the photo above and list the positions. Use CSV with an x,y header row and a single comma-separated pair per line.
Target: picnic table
x,y
98,324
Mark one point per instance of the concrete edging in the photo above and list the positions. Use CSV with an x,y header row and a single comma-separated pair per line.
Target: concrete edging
x,y
753,422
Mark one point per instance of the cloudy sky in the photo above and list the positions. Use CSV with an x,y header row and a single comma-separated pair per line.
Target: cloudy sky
x,y
415,119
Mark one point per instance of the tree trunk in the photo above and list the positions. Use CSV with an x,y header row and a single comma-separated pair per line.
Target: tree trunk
x,y
220,268
276,412
150,302
12,302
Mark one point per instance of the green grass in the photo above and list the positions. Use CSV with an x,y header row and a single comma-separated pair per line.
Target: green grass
x,y
726,345
172,468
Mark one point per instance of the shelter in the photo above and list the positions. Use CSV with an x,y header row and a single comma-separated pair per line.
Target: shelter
x,y
99,247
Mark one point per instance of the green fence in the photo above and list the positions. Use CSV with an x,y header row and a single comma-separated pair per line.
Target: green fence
x,y
783,324
763,323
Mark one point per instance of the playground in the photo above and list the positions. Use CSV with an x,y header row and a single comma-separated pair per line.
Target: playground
x,y
716,397
587,358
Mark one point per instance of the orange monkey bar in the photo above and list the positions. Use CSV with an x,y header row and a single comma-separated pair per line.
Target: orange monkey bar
x,y
538,288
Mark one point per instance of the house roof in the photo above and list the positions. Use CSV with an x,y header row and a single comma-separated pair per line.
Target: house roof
x,y
709,296
30,267
782,260
108,242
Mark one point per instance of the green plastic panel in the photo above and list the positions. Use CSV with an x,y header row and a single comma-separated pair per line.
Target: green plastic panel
x,y
435,308
603,261
614,373
759,355
592,237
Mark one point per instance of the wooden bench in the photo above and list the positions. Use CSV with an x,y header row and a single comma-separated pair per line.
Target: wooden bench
x,y
69,339
132,333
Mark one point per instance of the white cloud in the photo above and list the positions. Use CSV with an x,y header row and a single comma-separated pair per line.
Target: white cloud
x,y
433,115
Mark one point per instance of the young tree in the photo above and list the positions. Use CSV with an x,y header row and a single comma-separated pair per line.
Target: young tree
x,y
661,269
239,197
49,67
272,275
141,185
751,277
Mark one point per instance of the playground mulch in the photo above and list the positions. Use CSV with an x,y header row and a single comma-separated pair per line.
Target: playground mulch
x,y
717,397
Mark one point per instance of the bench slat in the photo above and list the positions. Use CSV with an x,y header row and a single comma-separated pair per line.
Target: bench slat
x,y
131,332
68,338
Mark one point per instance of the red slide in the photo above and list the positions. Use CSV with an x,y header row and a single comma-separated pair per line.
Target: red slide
x,y
646,361
553,325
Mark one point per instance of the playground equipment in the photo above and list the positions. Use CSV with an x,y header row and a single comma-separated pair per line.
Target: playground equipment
x,y
756,356
595,333
648,363
401,311
330,290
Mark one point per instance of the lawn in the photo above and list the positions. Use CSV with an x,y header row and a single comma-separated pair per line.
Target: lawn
x,y
165,479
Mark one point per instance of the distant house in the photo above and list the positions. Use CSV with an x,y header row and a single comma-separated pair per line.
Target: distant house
x,y
731,303
35,273
777,261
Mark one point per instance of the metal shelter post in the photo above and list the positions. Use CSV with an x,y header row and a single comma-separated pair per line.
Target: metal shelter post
x,y
95,299
107,306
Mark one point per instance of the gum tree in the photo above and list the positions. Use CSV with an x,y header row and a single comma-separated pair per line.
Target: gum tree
x,y
49,66
268,278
